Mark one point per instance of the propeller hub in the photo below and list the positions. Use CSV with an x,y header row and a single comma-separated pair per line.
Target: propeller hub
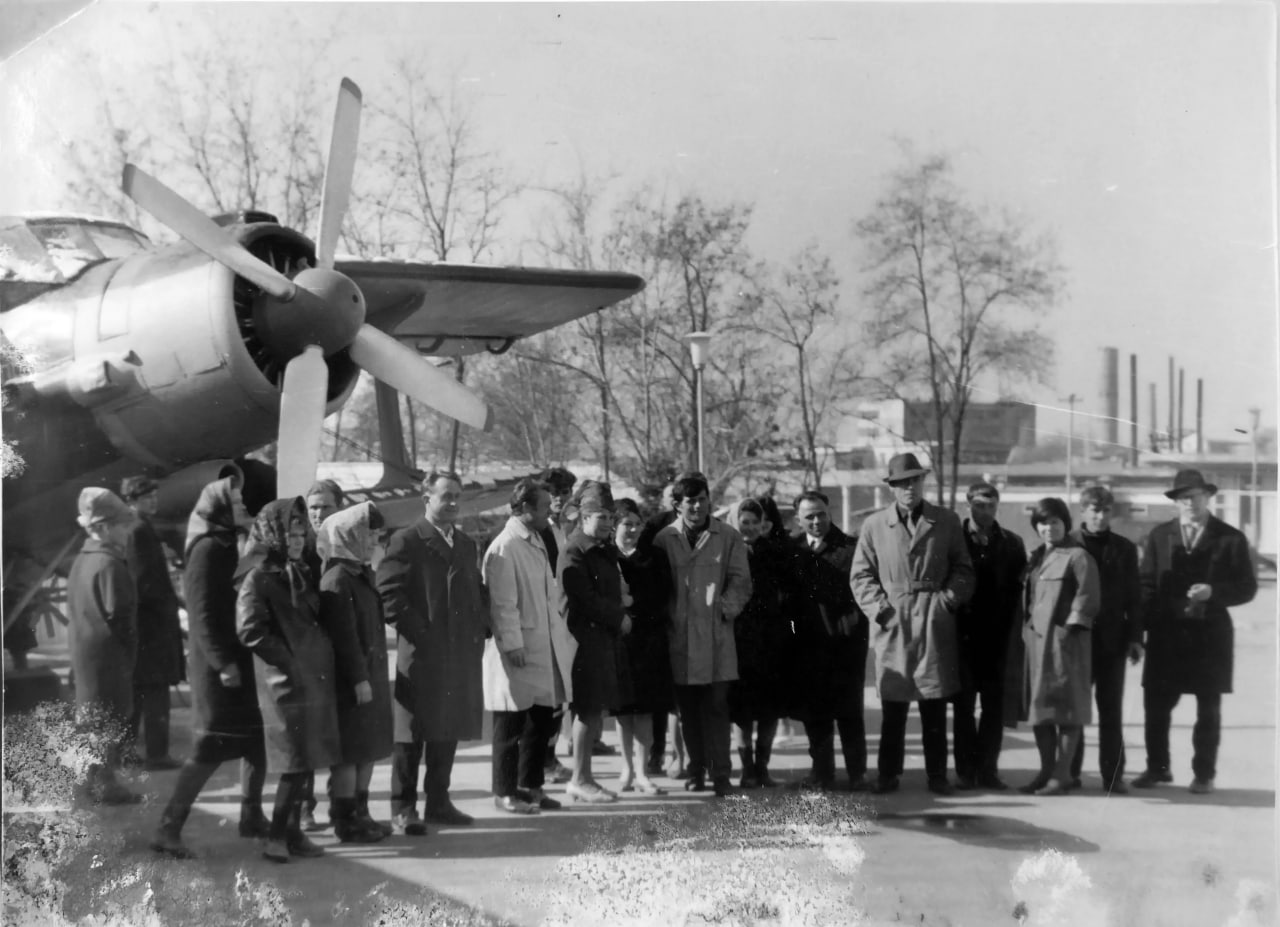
x,y
327,310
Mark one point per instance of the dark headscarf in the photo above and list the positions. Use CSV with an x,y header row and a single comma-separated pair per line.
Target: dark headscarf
x,y
268,545
214,515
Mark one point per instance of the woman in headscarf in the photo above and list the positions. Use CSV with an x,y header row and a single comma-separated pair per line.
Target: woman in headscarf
x,y
595,611
277,618
226,722
351,612
762,634
644,650
1062,597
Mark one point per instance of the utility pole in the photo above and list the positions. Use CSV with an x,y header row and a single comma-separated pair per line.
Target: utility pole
x,y
1071,438
1255,522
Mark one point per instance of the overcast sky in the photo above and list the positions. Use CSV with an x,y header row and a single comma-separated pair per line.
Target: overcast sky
x,y
1139,136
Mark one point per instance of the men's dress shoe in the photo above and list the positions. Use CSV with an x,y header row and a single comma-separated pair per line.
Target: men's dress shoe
x,y
540,798
513,805
170,845
1053,787
993,782
696,783
161,763
408,823
860,784
1076,783
276,851
1034,785
1118,787
886,784
557,773
1201,786
255,825
449,816
722,786
301,845
591,793
1150,779
767,781
966,783
941,787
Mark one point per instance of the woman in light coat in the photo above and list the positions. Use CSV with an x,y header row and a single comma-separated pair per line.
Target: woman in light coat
x,y
1062,597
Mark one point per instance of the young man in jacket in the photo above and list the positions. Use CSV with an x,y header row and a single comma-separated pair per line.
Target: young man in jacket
x,y
1193,569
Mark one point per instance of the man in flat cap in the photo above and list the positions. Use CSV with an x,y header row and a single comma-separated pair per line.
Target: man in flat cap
x,y
911,573
1194,568
160,660
984,626
102,634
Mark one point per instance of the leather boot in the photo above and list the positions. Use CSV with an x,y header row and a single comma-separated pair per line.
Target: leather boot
x,y
1047,746
749,780
368,820
763,752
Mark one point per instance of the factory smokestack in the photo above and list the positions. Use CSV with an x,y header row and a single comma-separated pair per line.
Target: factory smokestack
x,y
1173,397
1182,405
1133,410
1199,416
1155,422
1111,398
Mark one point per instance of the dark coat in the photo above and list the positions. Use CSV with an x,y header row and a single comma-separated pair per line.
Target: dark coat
x,y
226,720
1190,650
160,657
831,633
591,583
762,635
1119,620
432,594
988,622
293,668
648,658
102,629
351,612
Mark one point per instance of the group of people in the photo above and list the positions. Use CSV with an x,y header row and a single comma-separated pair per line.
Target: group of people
x,y
581,607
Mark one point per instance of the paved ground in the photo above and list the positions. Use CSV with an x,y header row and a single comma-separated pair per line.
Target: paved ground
x,y
1161,858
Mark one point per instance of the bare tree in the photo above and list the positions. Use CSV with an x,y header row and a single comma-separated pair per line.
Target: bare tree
x,y
953,296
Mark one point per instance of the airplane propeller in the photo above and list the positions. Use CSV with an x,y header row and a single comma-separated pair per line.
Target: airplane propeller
x,y
316,314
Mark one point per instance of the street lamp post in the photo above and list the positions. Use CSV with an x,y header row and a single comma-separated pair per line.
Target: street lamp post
x,y
699,345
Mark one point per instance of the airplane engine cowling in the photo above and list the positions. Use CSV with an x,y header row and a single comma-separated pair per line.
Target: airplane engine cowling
x,y
204,384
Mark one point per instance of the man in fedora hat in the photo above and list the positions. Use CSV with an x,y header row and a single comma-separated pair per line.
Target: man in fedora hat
x,y
911,573
160,661
102,634
1193,569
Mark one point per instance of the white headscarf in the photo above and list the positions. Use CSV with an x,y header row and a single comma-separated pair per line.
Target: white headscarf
x,y
346,535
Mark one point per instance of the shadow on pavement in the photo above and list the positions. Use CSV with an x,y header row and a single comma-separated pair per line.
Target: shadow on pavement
x,y
984,830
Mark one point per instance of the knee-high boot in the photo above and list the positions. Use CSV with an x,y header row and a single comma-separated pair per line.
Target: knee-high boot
x,y
365,818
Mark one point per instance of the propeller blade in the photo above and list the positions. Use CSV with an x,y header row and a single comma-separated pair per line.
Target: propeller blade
x,y
412,374
197,228
338,171
306,384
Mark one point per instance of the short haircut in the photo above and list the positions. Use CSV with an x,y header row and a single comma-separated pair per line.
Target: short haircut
x,y
329,486
1097,496
812,495
435,476
525,494
624,507
558,480
689,487
1051,507
982,488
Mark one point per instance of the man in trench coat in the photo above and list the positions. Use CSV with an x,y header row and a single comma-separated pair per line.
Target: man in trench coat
x,y
711,584
911,573
431,593
1193,569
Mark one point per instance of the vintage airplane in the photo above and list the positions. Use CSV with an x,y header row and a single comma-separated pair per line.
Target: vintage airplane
x,y
122,358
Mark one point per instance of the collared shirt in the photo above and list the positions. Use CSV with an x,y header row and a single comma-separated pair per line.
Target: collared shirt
x,y
1191,533
911,518
692,534
977,535
814,543
446,531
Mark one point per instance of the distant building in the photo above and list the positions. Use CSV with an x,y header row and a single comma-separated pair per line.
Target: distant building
x,y
875,431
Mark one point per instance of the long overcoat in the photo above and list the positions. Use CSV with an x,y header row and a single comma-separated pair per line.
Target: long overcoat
x,y
591,602
1191,650
160,658
524,614
102,629
832,634
431,593
648,656
987,625
1119,620
910,584
711,583
351,613
293,669
1061,599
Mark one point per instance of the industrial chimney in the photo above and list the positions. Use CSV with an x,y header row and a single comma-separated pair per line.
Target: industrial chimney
x,y
1111,398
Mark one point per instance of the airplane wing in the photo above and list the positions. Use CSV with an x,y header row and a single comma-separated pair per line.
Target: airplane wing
x,y
452,309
